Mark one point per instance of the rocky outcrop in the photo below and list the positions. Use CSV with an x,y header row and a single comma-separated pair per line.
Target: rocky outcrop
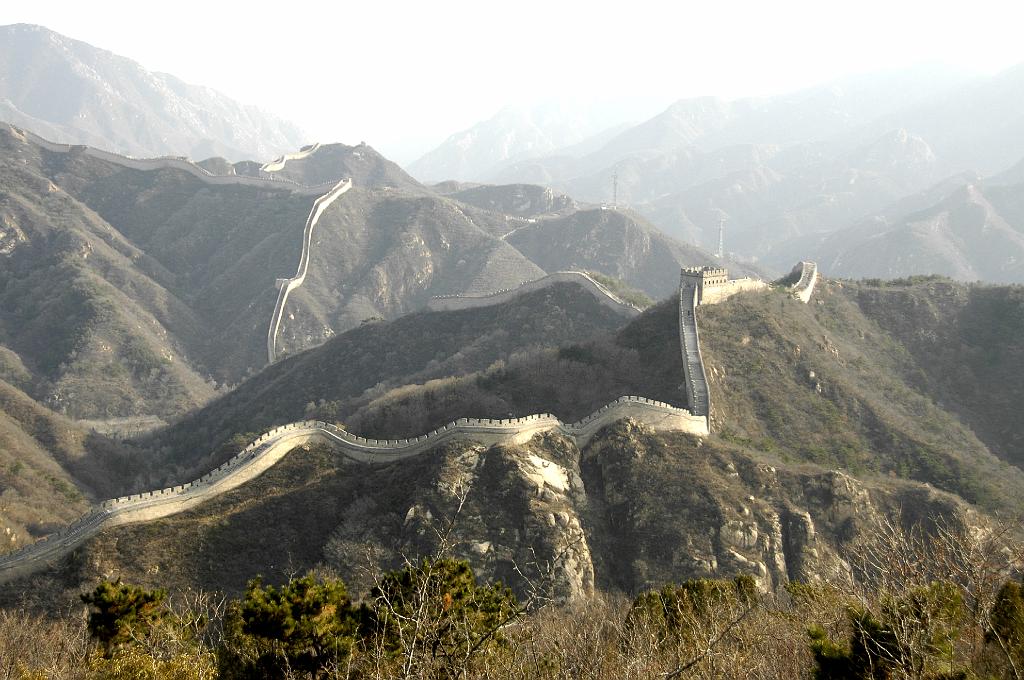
x,y
269,448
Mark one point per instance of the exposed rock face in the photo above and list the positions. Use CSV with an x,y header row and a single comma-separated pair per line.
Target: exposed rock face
x,y
633,510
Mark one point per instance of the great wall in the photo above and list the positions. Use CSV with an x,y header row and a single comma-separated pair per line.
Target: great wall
x,y
804,286
279,163
607,298
700,285
696,285
286,286
173,162
327,194
269,448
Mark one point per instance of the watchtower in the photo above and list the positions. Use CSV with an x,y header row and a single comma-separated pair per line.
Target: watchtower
x,y
707,280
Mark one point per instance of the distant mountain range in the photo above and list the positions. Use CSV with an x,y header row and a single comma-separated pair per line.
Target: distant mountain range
x,y
785,172
69,91
974,232
518,132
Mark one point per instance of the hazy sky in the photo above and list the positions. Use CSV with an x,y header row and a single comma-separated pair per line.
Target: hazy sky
x,y
403,75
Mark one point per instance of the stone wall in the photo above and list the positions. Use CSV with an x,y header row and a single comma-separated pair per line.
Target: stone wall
x,y
804,287
278,164
175,163
588,283
286,286
270,447
695,380
721,292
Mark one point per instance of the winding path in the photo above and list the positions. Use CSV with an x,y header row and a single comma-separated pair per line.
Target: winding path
x,y
172,162
327,193
587,282
275,165
272,446
286,286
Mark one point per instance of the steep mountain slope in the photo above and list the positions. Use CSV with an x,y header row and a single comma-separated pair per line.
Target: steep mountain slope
x,y
84,308
168,277
336,379
51,468
69,91
967,341
382,253
798,391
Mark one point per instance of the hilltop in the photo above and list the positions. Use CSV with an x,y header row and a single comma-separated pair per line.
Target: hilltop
x,y
615,242
523,200
328,163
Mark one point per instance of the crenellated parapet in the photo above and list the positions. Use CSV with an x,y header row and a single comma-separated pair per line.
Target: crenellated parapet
x,y
273,445
584,280
713,284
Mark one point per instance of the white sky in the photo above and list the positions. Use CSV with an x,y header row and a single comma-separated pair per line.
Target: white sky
x,y
403,75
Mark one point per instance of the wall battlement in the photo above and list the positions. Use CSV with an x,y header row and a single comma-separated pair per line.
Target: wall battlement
x,y
271,446
713,284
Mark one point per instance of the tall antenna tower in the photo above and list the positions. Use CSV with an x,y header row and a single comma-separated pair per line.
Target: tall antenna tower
x,y
615,189
721,237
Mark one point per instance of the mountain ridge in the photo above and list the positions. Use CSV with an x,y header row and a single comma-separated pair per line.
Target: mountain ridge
x,y
103,98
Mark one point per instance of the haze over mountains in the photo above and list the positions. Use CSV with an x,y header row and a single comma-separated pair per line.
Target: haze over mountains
x,y
69,91
786,171
518,132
